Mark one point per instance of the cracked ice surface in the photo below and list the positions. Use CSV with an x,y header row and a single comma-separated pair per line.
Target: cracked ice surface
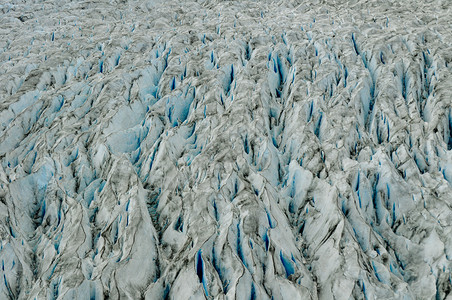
x,y
221,150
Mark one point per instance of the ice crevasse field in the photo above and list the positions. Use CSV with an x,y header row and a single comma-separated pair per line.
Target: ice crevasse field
x,y
226,149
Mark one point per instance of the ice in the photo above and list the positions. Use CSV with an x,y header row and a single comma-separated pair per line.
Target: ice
x,y
225,150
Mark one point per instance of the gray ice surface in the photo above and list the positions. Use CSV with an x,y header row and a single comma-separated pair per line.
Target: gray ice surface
x,y
225,149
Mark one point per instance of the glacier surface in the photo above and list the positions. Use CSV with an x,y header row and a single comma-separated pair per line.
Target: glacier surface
x,y
226,149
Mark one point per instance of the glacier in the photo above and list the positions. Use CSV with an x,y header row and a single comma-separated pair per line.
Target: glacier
x,y
226,149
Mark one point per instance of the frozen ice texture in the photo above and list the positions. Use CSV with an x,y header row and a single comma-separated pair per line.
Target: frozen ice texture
x,y
225,150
